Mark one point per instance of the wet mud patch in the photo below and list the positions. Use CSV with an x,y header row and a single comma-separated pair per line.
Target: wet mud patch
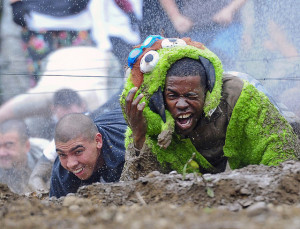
x,y
256,196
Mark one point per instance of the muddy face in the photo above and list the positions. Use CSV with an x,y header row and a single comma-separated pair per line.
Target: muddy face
x,y
184,98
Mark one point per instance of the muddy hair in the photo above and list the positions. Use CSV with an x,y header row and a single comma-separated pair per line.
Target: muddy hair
x,y
73,126
188,67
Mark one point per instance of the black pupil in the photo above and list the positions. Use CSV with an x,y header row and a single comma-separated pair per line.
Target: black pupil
x,y
172,40
149,58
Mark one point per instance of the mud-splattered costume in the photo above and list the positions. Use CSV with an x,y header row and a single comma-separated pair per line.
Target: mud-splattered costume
x,y
239,125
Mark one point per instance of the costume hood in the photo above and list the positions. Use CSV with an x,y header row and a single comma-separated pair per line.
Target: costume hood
x,y
148,72
150,76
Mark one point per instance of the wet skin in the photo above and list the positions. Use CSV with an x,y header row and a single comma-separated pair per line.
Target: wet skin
x,y
184,98
80,155
135,117
13,151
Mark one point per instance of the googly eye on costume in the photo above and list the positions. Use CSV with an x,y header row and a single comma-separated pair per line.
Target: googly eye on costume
x,y
149,61
172,42
135,53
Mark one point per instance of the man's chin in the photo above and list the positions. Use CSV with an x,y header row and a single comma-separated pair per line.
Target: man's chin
x,y
82,175
183,129
6,166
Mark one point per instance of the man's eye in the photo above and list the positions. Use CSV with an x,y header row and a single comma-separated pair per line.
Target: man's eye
x,y
62,155
192,97
78,152
8,145
171,96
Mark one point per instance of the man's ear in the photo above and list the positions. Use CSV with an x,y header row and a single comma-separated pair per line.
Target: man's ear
x,y
27,146
99,141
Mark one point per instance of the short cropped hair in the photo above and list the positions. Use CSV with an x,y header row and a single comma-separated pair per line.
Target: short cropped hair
x,y
73,126
66,98
15,125
188,67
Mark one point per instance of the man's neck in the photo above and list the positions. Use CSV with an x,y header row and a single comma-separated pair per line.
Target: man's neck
x,y
100,162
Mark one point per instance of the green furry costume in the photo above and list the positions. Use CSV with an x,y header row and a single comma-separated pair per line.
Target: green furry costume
x,y
256,134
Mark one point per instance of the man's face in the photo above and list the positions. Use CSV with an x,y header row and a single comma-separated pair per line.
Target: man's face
x,y
60,111
80,155
184,98
13,152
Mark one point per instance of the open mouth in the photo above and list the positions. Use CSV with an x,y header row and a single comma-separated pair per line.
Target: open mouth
x,y
184,121
5,160
78,171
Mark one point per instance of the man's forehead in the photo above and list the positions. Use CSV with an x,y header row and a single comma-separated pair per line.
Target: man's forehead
x,y
183,76
69,107
10,134
72,143
185,80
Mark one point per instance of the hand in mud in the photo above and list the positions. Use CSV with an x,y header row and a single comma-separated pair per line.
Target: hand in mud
x,y
136,120
40,176
164,138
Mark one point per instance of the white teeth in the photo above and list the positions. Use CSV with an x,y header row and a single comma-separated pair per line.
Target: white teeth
x,y
184,116
78,170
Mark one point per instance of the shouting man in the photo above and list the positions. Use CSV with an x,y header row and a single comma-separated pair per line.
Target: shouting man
x,y
181,107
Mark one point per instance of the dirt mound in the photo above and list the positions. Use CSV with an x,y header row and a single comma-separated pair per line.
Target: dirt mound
x,y
252,197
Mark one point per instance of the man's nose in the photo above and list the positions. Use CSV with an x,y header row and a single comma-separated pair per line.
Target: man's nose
x,y
72,162
3,152
181,104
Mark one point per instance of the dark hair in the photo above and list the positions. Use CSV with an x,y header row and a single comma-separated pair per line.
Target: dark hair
x,y
188,67
15,125
66,98
75,125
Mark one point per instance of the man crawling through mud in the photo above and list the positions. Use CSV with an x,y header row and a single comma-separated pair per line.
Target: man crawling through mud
x,y
184,113
89,151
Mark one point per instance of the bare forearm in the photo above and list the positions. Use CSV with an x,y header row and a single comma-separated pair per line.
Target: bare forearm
x,y
25,105
281,41
181,23
235,5
139,141
170,8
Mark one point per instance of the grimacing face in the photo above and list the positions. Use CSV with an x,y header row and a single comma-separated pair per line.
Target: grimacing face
x,y
13,151
184,98
80,155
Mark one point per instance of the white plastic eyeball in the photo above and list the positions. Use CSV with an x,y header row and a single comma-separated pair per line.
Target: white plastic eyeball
x,y
127,73
149,61
172,42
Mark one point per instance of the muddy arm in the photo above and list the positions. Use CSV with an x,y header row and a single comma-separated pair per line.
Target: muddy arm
x,y
225,15
181,23
138,163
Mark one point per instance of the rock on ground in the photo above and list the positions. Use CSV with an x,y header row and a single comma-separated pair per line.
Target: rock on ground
x,y
252,197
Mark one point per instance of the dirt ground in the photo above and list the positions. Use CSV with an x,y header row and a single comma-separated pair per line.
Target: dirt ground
x,y
252,197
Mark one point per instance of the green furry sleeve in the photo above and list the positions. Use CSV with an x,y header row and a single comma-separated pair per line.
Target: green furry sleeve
x,y
257,133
